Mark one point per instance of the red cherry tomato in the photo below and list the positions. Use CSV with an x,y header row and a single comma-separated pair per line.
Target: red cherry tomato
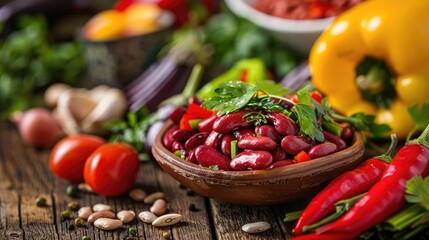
x,y
112,169
68,156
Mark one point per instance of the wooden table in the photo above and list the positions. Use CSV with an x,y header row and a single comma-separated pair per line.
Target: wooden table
x,y
25,175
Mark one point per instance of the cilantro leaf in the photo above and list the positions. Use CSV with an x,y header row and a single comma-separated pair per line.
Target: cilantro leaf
x,y
230,97
306,116
272,87
418,191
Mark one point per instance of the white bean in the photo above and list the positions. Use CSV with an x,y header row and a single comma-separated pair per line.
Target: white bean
x,y
256,227
167,220
102,214
107,223
84,212
84,187
137,194
126,216
147,216
101,207
149,199
159,207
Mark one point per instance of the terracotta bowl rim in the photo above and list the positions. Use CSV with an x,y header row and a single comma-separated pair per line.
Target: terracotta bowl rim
x,y
299,170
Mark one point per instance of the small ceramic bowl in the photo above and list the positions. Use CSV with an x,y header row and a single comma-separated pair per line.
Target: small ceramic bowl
x,y
259,187
119,61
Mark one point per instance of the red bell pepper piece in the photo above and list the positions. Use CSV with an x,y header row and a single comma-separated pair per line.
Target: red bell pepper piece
x,y
243,76
194,111
387,196
301,157
346,185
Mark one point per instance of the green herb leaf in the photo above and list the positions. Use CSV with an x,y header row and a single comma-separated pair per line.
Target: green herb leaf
x,y
418,191
133,130
420,115
306,116
230,97
271,87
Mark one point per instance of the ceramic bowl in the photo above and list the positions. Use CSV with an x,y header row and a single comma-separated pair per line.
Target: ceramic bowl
x,y
259,187
300,35
119,61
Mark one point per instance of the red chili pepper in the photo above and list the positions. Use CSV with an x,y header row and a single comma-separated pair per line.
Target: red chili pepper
x,y
329,236
387,196
301,157
346,185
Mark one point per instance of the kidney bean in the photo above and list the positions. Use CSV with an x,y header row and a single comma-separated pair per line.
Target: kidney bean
x,y
177,114
295,144
176,146
181,135
341,144
230,122
191,157
194,99
322,149
196,140
347,132
214,139
257,143
206,125
226,144
283,124
244,132
267,131
251,160
168,140
281,163
278,154
208,156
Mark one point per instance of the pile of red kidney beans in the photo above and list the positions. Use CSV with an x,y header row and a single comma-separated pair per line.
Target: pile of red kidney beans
x,y
277,143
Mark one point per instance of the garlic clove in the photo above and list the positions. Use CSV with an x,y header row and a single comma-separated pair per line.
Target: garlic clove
x,y
54,92
111,106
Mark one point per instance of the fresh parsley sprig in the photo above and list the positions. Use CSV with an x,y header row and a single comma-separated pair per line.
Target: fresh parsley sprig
x,y
133,130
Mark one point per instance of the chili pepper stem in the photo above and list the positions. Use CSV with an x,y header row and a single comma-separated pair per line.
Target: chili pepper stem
x,y
341,208
387,157
292,216
423,139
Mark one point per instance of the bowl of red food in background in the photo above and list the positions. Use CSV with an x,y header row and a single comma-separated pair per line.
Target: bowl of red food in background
x,y
267,186
297,23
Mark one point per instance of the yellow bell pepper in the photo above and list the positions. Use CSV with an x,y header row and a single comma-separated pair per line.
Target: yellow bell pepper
x,y
393,31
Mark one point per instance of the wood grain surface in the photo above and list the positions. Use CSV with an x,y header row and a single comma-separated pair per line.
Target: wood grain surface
x,y
25,175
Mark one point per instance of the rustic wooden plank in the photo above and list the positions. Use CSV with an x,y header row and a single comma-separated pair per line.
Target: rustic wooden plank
x,y
229,218
9,215
9,197
195,224
37,222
